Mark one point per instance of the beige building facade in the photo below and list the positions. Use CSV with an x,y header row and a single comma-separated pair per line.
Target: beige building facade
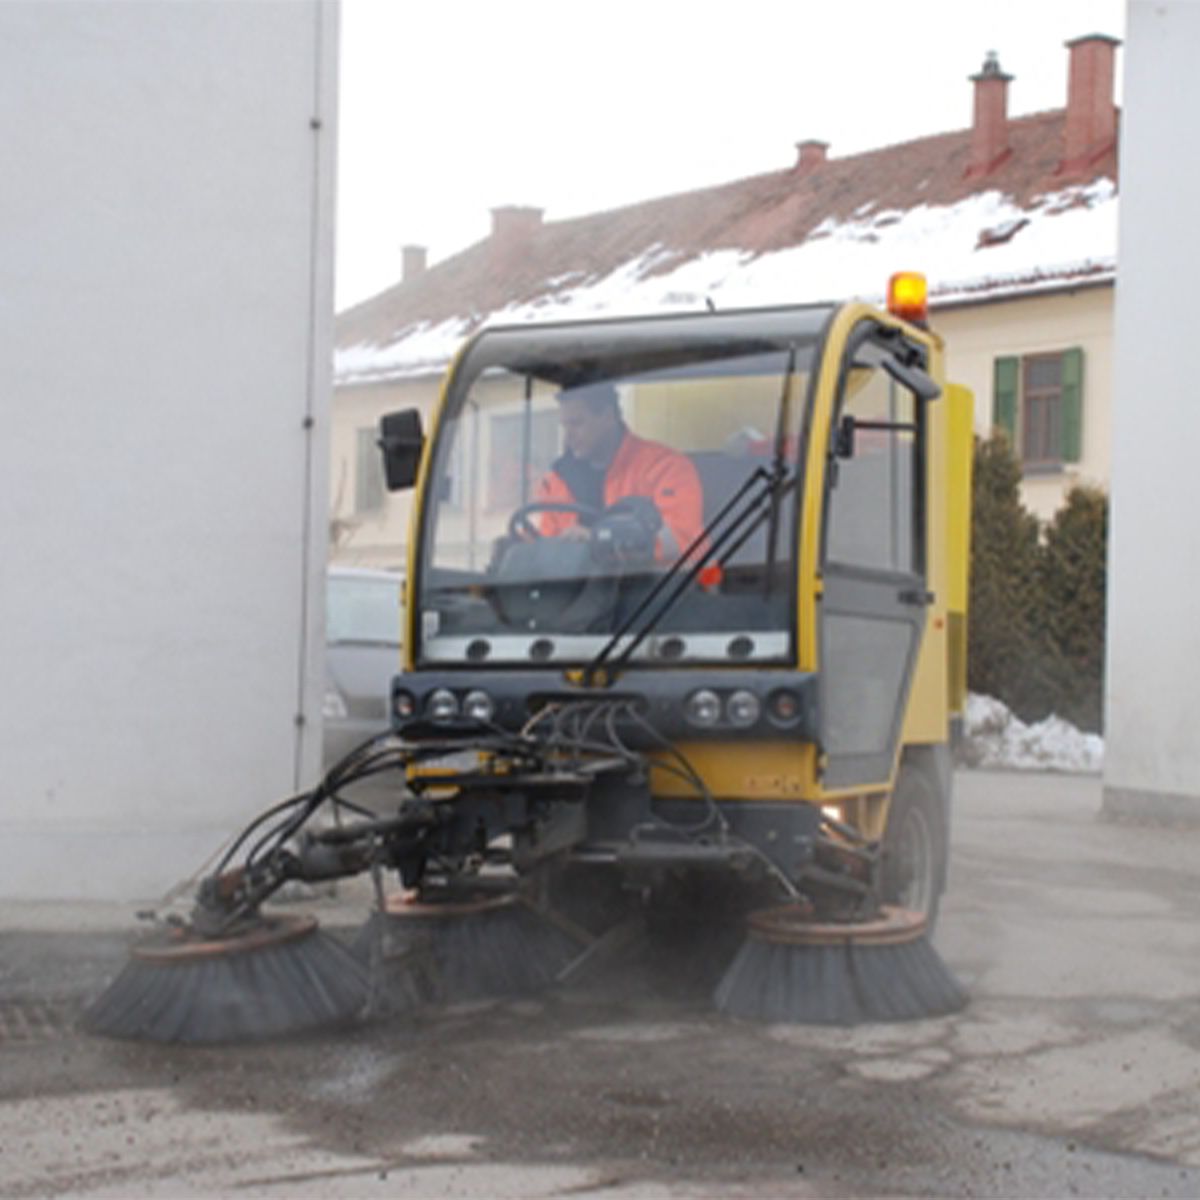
x,y
1062,439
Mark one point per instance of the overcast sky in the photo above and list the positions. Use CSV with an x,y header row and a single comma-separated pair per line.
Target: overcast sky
x,y
451,108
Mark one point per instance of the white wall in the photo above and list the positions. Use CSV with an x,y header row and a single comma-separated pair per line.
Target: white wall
x,y
165,336
1153,690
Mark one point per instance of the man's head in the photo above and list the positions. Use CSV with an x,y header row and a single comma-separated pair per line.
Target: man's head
x,y
591,421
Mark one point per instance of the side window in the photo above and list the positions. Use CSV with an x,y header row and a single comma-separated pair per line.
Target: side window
x,y
369,490
874,499
1037,399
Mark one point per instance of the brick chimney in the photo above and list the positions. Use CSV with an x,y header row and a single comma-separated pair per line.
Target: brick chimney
x,y
989,133
1091,130
810,155
413,262
513,223
513,228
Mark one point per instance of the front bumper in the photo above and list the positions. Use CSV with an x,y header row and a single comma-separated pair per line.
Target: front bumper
x,y
656,697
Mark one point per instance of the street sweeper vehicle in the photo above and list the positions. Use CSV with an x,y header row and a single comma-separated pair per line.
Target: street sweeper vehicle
x,y
685,650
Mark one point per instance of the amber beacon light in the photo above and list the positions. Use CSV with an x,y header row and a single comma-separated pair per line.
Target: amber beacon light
x,y
908,297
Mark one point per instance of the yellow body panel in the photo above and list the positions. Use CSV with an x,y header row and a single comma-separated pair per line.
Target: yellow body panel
x,y
940,682
766,770
960,426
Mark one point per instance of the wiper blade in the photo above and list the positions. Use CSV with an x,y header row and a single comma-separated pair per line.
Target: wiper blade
x,y
758,495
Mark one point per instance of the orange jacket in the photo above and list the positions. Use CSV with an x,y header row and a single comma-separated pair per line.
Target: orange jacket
x,y
640,468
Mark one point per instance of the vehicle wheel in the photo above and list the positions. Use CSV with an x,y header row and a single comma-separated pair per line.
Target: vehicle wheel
x,y
914,845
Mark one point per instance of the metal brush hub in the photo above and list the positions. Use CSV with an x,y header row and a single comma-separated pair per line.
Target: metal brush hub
x,y
459,905
182,945
794,925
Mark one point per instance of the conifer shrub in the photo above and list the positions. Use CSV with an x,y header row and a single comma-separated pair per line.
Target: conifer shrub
x,y
1003,606
1037,603
1071,622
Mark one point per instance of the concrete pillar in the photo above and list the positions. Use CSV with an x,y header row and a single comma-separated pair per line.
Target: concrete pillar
x,y
1152,765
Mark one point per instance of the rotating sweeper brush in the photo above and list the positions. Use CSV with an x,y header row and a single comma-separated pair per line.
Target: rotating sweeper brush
x,y
234,973
280,975
453,949
795,968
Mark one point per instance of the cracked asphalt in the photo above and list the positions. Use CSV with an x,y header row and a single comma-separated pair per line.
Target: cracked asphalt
x,y
1074,1070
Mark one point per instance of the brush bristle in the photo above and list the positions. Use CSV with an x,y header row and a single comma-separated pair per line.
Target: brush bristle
x,y
840,984
249,996
440,959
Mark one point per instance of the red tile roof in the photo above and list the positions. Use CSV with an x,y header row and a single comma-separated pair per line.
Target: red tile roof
x,y
756,216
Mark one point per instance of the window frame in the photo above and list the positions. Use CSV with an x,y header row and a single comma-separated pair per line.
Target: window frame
x,y
880,340
1013,397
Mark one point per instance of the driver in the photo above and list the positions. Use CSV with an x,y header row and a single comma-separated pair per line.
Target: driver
x,y
605,463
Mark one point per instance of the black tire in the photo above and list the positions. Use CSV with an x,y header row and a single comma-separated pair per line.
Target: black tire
x,y
915,845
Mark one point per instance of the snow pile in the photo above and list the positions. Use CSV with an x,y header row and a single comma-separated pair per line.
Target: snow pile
x,y
994,737
985,244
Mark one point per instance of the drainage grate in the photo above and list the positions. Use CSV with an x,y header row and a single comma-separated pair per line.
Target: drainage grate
x,y
26,1021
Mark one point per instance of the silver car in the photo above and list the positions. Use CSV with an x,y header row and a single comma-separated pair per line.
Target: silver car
x,y
363,614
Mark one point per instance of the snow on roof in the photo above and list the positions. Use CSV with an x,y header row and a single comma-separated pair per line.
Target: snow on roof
x,y
768,240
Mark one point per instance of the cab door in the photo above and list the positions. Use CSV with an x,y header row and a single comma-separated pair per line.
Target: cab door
x,y
874,600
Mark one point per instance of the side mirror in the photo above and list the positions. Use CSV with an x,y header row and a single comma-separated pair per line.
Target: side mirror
x,y
401,441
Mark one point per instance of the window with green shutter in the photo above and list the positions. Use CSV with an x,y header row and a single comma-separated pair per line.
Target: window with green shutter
x,y
1005,381
1037,399
1072,405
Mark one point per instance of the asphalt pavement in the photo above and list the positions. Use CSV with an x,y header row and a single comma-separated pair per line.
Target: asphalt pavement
x,y
1074,1070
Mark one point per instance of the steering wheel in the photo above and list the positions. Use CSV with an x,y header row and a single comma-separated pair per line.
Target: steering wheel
x,y
520,524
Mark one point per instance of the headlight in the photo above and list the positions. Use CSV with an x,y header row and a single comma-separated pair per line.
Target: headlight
x,y
785,706
404,704
333,707
743,709
478,706
441,704
703,708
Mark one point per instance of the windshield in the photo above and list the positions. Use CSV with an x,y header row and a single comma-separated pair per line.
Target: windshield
x,y
363,608
576,465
